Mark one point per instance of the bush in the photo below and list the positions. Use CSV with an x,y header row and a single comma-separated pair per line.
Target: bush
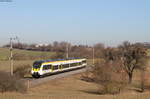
x,y
143,81
110,88
110,76
11,83
87,76
21,71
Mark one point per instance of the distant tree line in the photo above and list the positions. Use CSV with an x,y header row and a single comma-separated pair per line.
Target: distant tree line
x,y
61,48
82,51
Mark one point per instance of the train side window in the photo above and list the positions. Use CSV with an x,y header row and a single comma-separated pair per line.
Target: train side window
x,y
65,66
55,67
46,67
84,61
49,66
71,65
80,63
74,64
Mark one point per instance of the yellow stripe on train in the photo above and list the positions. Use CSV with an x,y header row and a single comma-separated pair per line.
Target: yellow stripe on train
x,y
60,61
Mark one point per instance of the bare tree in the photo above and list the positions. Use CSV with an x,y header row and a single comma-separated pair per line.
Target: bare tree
x,y
131,56
110,76
99,50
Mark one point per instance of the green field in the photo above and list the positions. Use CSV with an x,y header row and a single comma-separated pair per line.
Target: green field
x,y
5,53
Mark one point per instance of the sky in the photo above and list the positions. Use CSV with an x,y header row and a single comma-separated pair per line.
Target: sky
x,y
76,21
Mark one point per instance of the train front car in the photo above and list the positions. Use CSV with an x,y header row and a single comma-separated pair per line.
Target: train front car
x,y
36,69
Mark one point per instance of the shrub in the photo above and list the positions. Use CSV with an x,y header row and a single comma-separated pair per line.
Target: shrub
x,y
11,83
110,88
110,76
87,76
143,84
21,71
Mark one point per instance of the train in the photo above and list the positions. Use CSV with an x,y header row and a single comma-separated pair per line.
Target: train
x,y
44,67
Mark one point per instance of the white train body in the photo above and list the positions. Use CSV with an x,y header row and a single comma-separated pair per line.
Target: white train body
x,y
43,67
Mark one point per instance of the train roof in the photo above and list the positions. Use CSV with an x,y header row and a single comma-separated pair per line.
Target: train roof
x,y
52,60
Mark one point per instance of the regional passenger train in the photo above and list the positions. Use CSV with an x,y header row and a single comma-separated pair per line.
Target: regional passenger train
x,y
44,67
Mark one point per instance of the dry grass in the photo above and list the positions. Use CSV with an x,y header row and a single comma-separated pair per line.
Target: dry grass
x,y
71,88
10,83
28,96
5,65
68,88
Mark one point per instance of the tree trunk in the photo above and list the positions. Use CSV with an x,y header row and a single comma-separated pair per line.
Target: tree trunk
x,y
130,78
142,80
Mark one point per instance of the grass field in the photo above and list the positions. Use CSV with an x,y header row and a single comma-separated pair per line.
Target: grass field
x,y
5,53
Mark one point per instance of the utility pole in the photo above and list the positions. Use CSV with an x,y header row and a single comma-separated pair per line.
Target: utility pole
x,y
17,38
11,57
67,51
11,54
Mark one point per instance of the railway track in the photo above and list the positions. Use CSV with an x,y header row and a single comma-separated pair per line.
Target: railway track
x,y
32,82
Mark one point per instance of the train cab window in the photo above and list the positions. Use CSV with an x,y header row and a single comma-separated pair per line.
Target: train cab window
x,y
37,65
55,67
46,67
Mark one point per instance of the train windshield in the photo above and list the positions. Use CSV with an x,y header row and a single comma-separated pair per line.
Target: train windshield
x,y
37,65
